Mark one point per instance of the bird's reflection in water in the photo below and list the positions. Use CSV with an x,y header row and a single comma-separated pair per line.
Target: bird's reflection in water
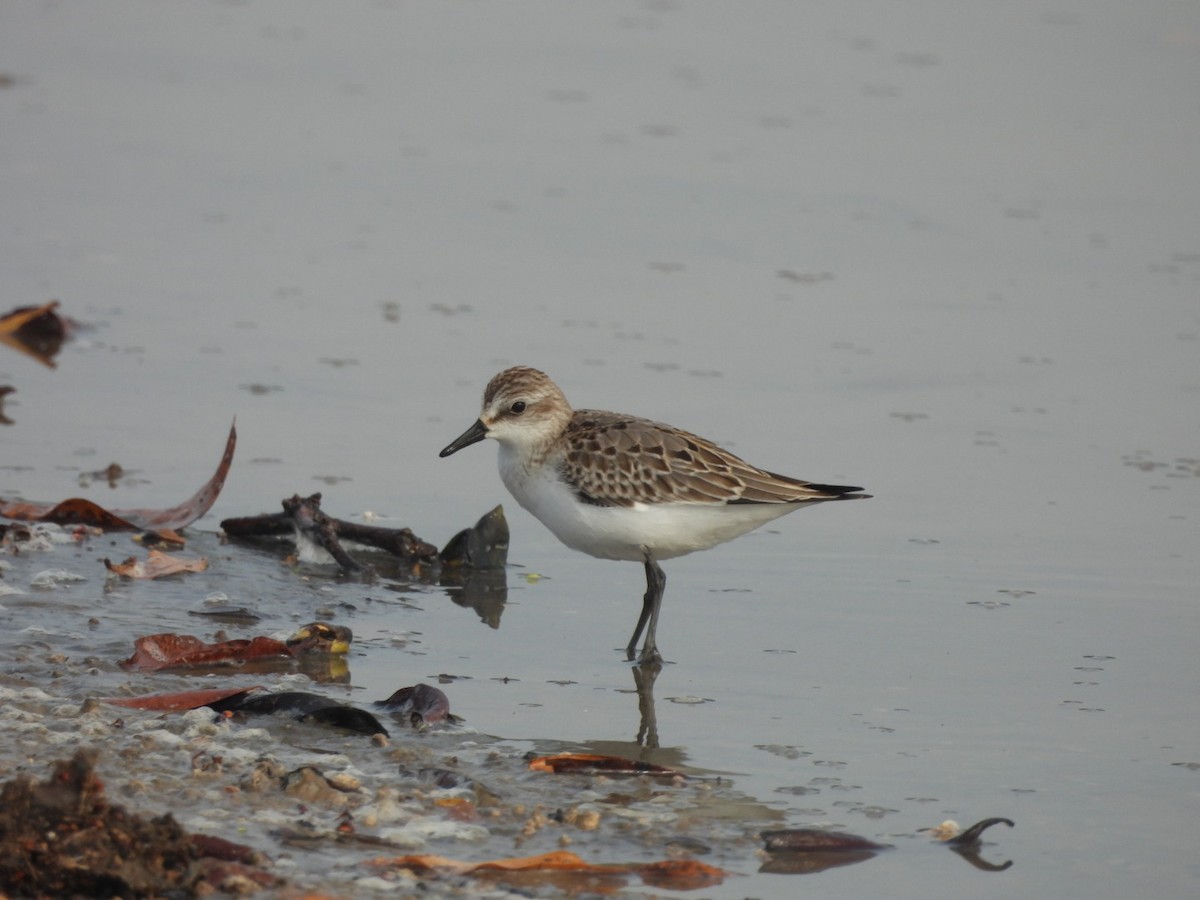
x,y
485,591
644,676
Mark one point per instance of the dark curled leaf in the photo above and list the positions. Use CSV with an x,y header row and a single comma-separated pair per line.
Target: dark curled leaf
x,y
973,834
349,717
308,707
297,702
421,703
231,703
38,332
597,764
815,840
485,546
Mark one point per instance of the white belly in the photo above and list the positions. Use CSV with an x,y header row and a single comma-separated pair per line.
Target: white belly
x,y
620,532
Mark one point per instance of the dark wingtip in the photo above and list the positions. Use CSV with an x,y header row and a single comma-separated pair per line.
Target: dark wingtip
x,y
841,491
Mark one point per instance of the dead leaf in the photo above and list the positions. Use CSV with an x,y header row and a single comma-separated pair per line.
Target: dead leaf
x,y
156,565
75,511
816,840
425,863
680,874
179,651
21,316
421,703
180,700
595,764
38,331
671,874
165,522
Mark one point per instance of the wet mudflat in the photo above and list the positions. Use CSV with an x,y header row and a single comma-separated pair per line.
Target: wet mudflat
x,y
954,261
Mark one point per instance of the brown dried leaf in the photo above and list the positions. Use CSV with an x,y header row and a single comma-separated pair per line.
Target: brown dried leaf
x,y
671,874
35,331
680,874
76,511
17,319
176,651
166,522
157,565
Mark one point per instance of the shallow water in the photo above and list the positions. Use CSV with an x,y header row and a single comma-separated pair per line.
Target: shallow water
x,y
951,257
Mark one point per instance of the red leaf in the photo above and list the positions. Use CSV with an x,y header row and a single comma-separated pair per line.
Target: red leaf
x,y
177,651
180,700
680,874
672,874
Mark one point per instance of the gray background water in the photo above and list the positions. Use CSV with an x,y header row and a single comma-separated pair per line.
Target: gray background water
x,y
950,252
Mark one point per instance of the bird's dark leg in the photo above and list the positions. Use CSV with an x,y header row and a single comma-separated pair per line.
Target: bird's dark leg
x,y
656,582
637,632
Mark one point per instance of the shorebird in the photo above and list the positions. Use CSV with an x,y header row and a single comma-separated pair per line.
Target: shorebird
x,y
622,487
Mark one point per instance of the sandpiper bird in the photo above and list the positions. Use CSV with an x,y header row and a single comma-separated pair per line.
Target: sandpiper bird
x,y
621,487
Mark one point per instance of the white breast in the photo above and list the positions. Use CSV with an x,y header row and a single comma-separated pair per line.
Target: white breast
x,y
617,532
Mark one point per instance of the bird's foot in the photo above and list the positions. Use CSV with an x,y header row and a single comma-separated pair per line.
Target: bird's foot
x,y
649,657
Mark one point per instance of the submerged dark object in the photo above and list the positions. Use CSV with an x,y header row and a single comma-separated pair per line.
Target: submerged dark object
x,y
798,851
483,546
816,840
804,851
299,702
350,718
305,707
421,704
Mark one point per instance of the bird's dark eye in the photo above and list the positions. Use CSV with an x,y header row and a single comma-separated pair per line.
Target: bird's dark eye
x,y
518,407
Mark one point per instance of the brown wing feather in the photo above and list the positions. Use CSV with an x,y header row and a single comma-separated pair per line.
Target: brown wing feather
x,y
616,460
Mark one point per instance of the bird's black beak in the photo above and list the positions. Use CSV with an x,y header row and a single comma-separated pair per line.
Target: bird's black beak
x,y
472,435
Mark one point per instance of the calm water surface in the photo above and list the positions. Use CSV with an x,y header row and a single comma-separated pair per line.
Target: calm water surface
x,y
950,255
